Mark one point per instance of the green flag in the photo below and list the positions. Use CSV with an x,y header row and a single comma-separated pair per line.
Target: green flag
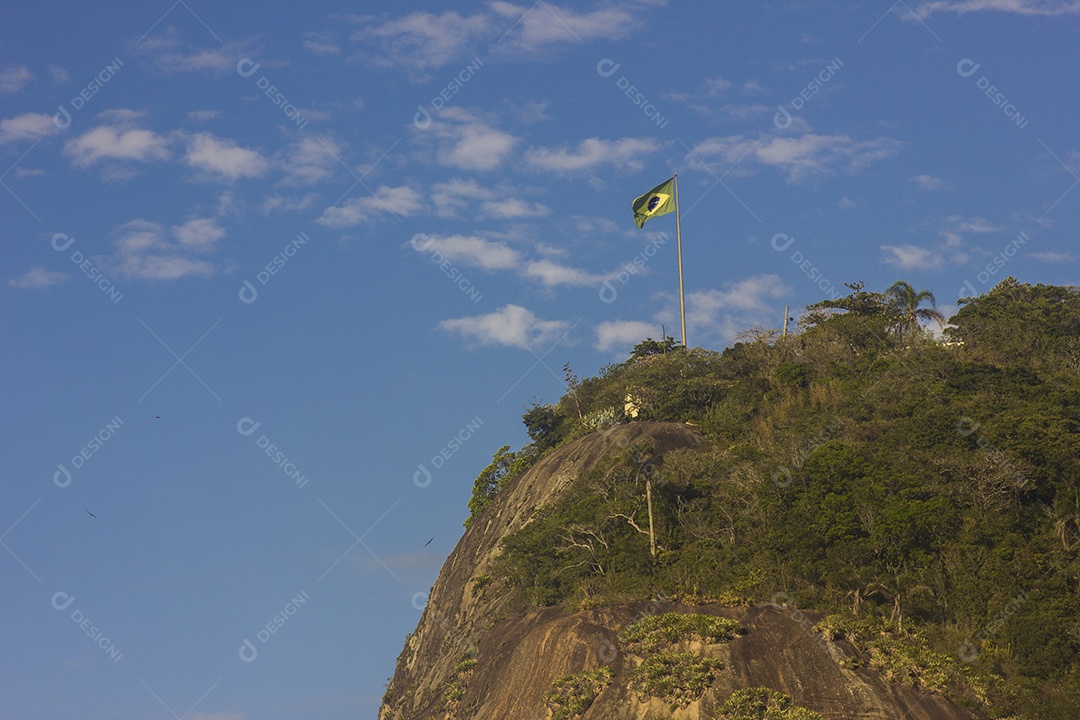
x,y
658,201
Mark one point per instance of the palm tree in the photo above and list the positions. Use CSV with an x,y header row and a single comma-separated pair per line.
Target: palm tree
x,y
906,301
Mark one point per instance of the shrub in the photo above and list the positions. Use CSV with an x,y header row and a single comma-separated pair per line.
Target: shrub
x,y
647,634
763,704
571,695
680,678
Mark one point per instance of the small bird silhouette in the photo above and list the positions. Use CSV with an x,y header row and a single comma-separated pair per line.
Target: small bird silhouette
x,y
428,542
91,514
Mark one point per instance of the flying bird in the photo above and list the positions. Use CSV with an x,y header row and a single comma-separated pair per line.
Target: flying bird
x,y
91,514
428,542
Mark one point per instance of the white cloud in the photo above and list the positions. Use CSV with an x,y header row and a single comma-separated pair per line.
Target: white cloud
x,y
202,115
110,142
719,315
14,78
471,250
143,252
322,43
928,182
224,158
509,326
622,334
402,201
310,160
38,278
912,257
422,41
280,203
199,234
539,26
58,74
1054,257
169,53
625,153
552,274
956,227
468,142
1017,7
846,203
801,157
28,126
457,196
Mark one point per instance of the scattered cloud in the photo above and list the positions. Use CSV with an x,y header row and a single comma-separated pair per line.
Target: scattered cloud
x,y
14,78
58,74
553,274
38,278
322,43
1017,7
509,326
471,250
538,27
622,334
912,257
310,160
28,126
202,115
401,201
624,154
280,203
169,53
117,142
719,315
956,228
1054,257
464,140
423,41
223,158
800,157
928,182
143,251
199,234
846,203
460,196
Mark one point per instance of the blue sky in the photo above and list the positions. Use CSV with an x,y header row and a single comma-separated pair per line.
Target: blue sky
x,y
277,283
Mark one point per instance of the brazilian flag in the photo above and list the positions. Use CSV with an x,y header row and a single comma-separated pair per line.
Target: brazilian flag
x,y
658,201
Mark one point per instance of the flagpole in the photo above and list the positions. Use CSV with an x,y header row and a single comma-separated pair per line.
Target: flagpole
x,y
678,243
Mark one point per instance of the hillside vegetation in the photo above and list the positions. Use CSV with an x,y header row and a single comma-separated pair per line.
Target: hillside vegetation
x,y
924,495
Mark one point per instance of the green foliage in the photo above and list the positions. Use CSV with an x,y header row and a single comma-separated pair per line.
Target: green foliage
x,y
654,631
763,704
679,678
504,467
648,347
571,695
916,487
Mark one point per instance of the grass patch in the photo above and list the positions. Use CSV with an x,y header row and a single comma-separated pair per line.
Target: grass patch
x,y
763,704
653,631
571,695
680,678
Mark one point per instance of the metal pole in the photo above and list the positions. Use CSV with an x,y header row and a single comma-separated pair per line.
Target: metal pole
x,y
678,242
